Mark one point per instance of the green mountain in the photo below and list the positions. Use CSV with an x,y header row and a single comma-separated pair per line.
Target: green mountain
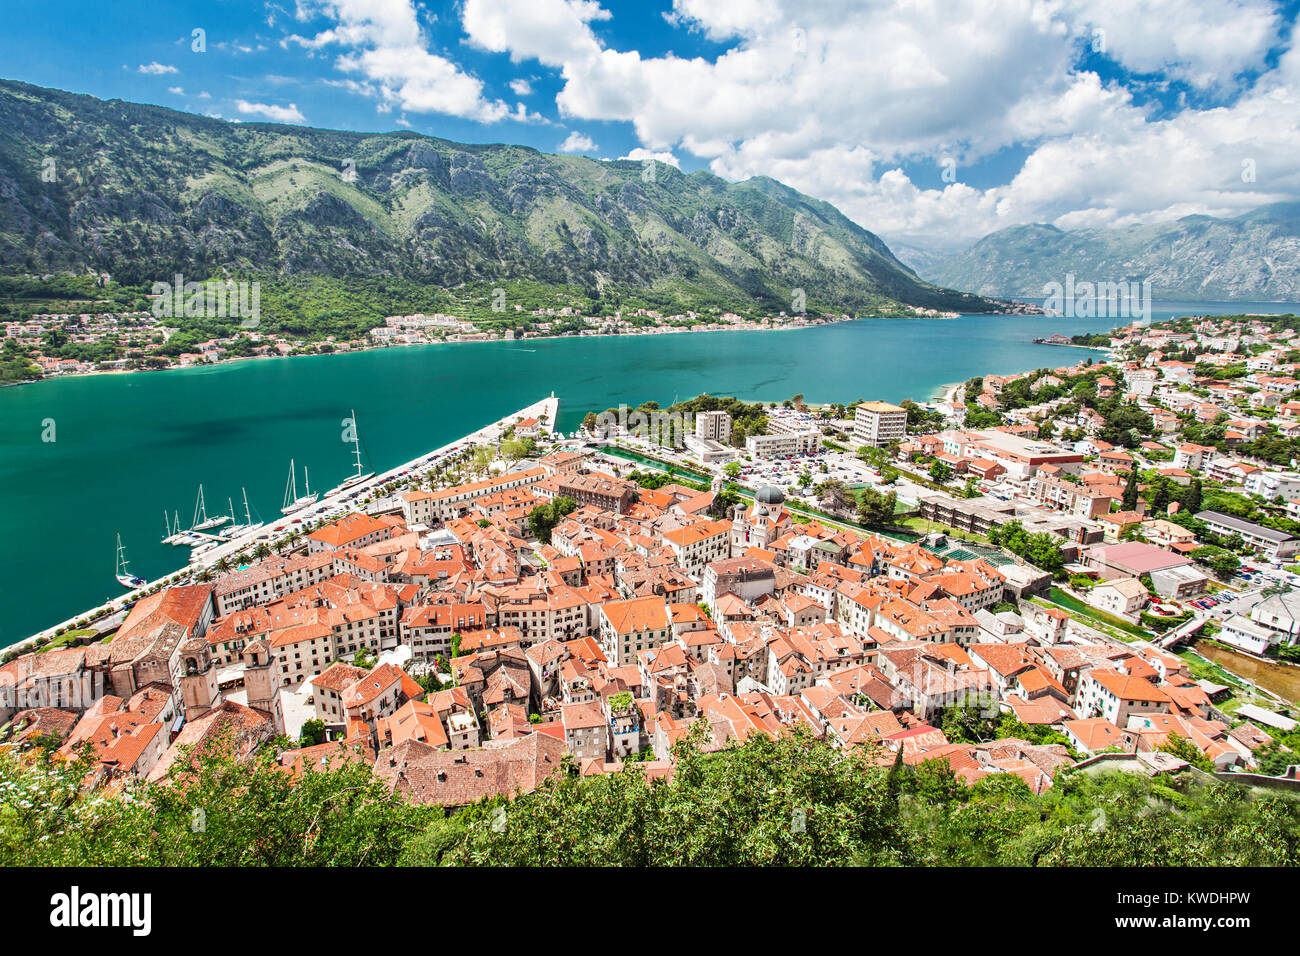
x,y
143,192
1253,257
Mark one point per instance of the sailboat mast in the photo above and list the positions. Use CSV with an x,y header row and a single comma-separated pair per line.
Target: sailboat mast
x,y
248,517
291,488
356,441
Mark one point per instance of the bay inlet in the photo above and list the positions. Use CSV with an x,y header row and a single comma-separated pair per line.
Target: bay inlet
x,y
127,448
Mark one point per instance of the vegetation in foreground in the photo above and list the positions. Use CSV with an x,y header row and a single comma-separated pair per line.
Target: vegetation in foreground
x,y
792,801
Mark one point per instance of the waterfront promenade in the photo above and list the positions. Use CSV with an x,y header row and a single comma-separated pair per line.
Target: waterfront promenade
x,y
108,615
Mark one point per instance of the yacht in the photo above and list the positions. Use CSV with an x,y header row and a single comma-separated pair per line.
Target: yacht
x,y
292,501
357,478
124,577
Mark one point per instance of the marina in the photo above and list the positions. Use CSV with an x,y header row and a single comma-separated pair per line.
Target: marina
x,y
214,548
237,425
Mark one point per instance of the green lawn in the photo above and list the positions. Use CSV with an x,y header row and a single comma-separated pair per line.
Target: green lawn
x,y
65,639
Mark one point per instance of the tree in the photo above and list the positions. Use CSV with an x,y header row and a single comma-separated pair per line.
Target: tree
x,y
1184,749
731,470
1221,561
876,508
590,421
481,460
313,733
1130,499
1160,497
724,500
834,495
543,519
1042,548
1191,500
940,471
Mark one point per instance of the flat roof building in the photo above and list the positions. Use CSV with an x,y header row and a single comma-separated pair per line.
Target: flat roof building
x,y
879,423
1267,541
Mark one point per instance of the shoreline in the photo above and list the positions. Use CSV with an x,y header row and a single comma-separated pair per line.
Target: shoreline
x,y
265,534
652,330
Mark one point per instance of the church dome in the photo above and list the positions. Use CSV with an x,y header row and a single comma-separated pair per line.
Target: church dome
x,y
770,495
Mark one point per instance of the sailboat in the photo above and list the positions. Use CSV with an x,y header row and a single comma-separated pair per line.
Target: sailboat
x,y
124,578
237,529
201,520
292,502
175,533
357,478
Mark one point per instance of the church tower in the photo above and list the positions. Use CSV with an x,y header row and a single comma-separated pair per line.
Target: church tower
x,y
199,693
262,681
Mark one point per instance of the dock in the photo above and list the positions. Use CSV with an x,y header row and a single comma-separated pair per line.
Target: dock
x,y
546,409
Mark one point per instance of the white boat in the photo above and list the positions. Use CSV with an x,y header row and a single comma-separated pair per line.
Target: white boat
x,y
124,577
292,502
236,530
176,535
201,520
357,478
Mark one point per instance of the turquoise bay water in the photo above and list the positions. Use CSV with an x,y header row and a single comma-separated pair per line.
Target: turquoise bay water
x,y
129,446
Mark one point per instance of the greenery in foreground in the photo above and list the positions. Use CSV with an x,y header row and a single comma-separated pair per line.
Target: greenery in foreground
x,y
792,801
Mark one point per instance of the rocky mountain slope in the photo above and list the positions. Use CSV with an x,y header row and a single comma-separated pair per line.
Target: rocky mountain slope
x,y
143,192
1254,257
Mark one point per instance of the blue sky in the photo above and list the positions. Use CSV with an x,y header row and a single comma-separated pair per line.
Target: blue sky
x,y
931,122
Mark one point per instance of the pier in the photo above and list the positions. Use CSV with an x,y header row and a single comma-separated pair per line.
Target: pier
x,y
546,409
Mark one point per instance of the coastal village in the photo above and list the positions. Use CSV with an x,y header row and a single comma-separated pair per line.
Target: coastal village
x,y
87,343
582,605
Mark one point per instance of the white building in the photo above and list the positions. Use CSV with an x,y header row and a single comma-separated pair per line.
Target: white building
x,y
879,423
713,426
778,446
1270,484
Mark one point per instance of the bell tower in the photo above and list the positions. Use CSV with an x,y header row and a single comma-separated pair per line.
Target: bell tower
x,y
199,692
262,681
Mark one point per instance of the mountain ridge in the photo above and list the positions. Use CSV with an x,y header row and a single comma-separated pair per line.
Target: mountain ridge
x,y
142,192
1251,257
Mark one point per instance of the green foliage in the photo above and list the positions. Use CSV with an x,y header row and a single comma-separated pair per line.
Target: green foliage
x,y
940,471
313,733
1042,549
229,813
876,508
1184,749
428,225
543,519
790,801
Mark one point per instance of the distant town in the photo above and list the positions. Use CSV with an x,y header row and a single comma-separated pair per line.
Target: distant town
x,y
1069,570
50,344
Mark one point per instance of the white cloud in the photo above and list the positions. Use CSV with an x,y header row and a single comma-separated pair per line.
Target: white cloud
x,y
834,98
176,90
554,32
521,87
640,155
577,142
383,45
277,114
157,69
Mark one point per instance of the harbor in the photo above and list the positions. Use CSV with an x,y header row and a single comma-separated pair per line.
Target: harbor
x,y
210,548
